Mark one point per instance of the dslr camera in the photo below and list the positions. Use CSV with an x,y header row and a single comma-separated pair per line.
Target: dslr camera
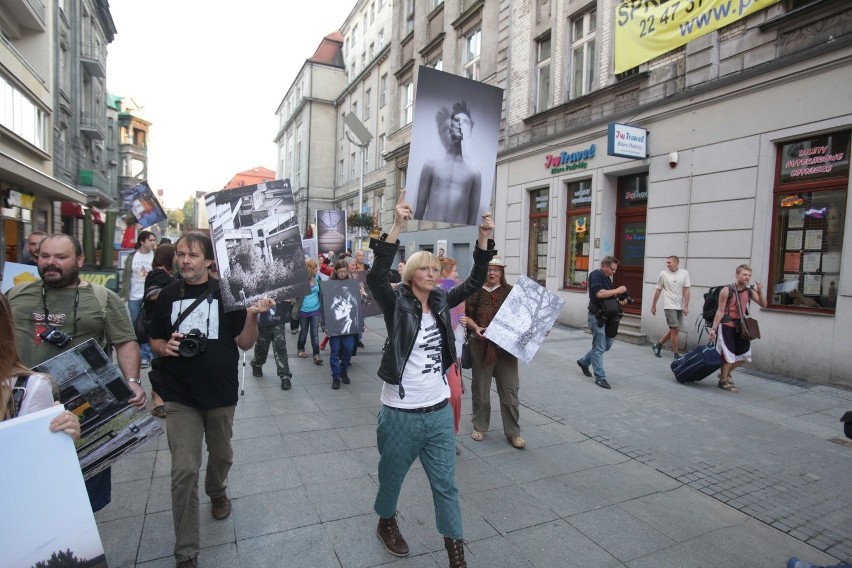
x,y
626,297
55,337
192,343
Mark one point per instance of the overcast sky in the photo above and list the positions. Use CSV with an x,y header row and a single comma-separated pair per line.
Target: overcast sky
x,y
209,77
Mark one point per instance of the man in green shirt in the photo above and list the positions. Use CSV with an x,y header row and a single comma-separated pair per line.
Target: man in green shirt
x,y
63,302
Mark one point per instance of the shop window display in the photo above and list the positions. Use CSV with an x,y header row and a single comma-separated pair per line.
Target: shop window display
x,y
808,220
577,239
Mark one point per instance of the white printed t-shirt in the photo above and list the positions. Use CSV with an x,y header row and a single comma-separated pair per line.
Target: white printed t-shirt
x,y
422,379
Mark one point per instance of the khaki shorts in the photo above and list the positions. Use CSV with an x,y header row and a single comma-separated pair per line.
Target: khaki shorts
x,y
674,318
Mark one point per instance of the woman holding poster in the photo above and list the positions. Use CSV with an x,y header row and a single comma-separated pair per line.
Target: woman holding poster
x,y
489,360
21,390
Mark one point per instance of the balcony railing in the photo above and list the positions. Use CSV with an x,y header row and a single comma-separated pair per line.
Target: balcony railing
x,y
91,178
93,57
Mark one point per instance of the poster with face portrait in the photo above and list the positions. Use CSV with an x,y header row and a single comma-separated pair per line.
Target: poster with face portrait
x,y
341,306
525,317
139,202
369,306
453,148
331,230
257,243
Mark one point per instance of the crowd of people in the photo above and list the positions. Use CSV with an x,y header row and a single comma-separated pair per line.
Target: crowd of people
x,y
428,312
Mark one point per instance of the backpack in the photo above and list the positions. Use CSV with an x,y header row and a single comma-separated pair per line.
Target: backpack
x,y
711,304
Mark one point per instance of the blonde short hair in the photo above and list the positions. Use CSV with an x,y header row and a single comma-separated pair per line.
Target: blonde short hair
x,y
417,261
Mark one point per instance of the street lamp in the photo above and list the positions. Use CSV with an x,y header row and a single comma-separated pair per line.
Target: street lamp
x,y
362,140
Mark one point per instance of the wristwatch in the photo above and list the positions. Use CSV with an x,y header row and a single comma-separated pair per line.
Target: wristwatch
x,y
134,380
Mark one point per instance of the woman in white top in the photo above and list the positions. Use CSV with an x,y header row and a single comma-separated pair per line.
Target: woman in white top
x,y
35,392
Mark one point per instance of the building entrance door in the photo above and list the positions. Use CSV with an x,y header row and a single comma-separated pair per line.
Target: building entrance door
x,y
630,214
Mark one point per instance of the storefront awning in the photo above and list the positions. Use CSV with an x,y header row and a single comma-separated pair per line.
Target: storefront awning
x,y
38,183
70,209
98,216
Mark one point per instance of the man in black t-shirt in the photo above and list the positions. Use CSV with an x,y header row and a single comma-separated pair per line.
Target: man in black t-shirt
x,y
600,287
199,381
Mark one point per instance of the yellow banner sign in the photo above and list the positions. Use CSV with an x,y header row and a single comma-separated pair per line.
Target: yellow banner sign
x,y
645,29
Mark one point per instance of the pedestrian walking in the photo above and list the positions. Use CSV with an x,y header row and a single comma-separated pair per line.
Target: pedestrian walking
x,y
276,336
161,275
136,269
341,346
489,360
415,420
734,349
450,279
674,285
600,289
308,310
198,345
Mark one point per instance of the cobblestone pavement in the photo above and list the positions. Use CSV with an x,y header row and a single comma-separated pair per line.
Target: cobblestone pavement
x,y
649,474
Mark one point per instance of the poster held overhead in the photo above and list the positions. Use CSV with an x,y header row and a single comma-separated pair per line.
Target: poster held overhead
x,y
257,243
331,230
453,148
139,203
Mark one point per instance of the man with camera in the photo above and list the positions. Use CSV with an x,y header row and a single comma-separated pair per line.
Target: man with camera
x,y
197,344
600,290
60,311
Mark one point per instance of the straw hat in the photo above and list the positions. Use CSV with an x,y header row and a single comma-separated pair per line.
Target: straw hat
x,y
497,261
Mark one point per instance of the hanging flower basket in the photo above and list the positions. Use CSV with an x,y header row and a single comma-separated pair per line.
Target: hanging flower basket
x,y
360,220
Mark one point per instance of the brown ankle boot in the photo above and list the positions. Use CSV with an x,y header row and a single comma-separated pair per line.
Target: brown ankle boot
x,y
455,551
389,534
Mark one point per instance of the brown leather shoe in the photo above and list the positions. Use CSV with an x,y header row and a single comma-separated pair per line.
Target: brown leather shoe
x,y
221,507
455,551
390,536
191,563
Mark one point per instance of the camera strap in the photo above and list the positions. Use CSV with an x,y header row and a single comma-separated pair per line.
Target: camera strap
x,y
212,288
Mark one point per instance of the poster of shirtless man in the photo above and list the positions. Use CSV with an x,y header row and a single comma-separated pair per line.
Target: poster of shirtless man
x,y
453,147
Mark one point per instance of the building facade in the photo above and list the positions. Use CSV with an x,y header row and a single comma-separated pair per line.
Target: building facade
x,y
745,161
306,129
81,131
30,192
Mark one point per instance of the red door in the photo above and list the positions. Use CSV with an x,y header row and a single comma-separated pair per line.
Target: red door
x,y
630,214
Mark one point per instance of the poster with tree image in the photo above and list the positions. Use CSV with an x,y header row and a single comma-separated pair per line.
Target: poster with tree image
x,y
525,317
257,243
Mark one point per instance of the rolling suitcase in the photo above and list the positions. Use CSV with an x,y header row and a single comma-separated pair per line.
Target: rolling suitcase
x,y
699,363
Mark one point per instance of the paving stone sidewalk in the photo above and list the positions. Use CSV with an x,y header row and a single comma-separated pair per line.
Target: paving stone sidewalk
x,y
649,474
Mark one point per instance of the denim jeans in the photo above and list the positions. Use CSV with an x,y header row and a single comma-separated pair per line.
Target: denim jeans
x,y
135,306
341,352
600,344
402,437
306,323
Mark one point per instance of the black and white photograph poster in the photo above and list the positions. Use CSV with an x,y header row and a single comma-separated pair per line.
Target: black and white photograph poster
x,y
453,148
47,519
522,322
257,243
310,248
92,387
331,230
369,306
139,202
341,306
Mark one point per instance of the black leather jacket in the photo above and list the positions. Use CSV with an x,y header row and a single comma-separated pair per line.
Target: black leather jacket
x,y
403,311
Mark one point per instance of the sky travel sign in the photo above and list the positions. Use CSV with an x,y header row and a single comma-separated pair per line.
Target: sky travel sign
x,y
645,29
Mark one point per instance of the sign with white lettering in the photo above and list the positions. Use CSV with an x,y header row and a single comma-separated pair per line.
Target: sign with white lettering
x,y
627,141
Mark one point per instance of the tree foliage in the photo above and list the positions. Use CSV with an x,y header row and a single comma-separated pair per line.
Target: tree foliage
x,y
61,559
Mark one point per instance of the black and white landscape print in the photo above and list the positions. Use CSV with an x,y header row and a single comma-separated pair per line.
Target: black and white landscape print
x,y
257,243
521,323
341,307
92,387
